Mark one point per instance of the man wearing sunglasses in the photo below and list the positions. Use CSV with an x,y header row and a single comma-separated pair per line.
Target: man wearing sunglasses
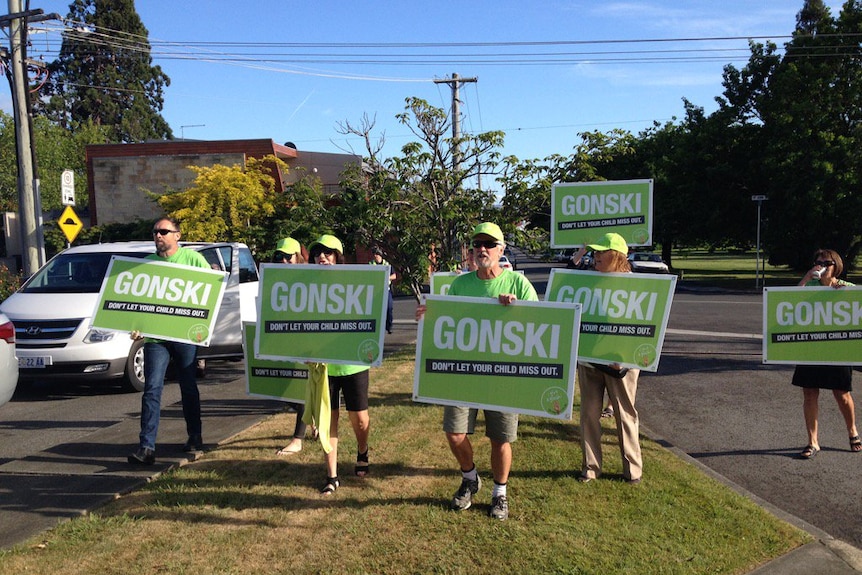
x,y
489,280
158,354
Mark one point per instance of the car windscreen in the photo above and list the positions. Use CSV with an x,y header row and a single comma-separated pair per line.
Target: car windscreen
x,y
73,273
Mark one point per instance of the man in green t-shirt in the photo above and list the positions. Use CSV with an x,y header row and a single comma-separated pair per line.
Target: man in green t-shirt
x,y
489,280
158,354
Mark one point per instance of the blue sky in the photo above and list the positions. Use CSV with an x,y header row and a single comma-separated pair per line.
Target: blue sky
x,y
540,106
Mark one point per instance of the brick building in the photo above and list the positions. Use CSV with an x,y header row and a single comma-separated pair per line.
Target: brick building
x,y
119,175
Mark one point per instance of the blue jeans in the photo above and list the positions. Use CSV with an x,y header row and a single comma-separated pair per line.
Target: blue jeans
x,y
157,355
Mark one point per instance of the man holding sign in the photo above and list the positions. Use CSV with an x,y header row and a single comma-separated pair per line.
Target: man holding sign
x,y
158,354
489,280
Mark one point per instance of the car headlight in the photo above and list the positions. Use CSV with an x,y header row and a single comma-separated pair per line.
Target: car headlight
x,y
99,336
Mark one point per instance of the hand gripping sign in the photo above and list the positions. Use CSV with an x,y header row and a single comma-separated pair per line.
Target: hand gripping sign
x,y
518,358
331,314
159,299
624,315
582,212
812,325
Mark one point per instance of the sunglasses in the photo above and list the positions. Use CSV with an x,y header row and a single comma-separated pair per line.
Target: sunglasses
x,y
163,232
279,256
325,251
824,263
487,244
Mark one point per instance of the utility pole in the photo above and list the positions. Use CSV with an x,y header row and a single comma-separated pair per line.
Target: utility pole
x,y
29,205
455,83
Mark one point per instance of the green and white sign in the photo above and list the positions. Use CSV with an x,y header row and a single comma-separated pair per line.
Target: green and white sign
x,y
161,300
519,358
441,281
812,325
284,380
624,315
582,212
331,314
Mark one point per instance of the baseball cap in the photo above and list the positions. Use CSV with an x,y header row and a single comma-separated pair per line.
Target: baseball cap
x,y
327,241
287,246
610,241
489,229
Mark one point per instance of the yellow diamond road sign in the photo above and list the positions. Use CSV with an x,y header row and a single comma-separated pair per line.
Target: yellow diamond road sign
x,y
70,223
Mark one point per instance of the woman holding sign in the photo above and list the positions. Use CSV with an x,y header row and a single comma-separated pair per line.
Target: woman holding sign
x,y
351,381
621,385
289,251
828,266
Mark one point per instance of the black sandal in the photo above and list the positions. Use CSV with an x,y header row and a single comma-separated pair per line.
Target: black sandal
x,y
362,467
855,444
809,452
332,484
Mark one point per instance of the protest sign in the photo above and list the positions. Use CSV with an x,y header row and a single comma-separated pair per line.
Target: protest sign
x,y
440,282
812,325
624,315
161,300
331,314
519,358
582,212
284,380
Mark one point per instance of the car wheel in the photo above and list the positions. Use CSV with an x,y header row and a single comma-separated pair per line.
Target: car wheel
x,y
134,376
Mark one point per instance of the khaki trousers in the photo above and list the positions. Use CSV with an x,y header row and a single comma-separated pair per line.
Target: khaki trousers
x,y
621,392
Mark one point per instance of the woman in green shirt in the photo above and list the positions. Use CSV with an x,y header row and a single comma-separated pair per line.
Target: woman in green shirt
x,y
351,381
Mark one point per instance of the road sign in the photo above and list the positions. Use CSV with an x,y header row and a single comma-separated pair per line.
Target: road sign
x,y
67,188
758,198
70,223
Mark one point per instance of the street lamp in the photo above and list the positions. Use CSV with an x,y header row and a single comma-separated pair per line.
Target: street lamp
x,y
757,274
183,130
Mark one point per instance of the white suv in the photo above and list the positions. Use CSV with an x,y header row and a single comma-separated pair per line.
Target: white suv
x,y
53,310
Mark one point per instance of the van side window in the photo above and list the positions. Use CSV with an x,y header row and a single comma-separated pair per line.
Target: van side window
x,y
213,259
247,267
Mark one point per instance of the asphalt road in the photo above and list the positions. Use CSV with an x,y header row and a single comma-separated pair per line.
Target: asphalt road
x,y
63,448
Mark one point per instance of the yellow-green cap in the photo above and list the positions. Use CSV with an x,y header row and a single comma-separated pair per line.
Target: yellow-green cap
x,y
610,241
327,241
288,246
489,229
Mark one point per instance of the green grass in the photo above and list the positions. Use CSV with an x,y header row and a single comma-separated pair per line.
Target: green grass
x,y
242,510
735,271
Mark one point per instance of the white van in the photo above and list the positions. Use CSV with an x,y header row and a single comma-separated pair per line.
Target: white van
x,y
53,310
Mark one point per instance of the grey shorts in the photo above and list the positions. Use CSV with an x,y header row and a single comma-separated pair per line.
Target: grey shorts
x,y
500,427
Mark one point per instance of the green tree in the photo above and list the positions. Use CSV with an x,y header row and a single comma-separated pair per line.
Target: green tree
x,y
808,106
57,149
420,206
104,73
226,203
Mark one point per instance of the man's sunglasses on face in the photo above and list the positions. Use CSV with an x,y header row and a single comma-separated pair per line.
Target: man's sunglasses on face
x,y
163,232
487,244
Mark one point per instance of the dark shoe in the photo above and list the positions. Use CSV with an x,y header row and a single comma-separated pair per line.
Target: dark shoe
x,y
143,456
194,443
331,485
809,452
855,444
463,498
362,467
499,508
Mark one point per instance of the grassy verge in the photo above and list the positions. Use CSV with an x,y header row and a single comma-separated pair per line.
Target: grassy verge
x,y
242,510
735,271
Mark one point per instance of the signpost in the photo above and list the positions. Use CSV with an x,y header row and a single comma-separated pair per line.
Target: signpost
x,y
759,199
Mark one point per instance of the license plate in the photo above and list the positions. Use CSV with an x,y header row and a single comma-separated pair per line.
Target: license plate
x,y
34,362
